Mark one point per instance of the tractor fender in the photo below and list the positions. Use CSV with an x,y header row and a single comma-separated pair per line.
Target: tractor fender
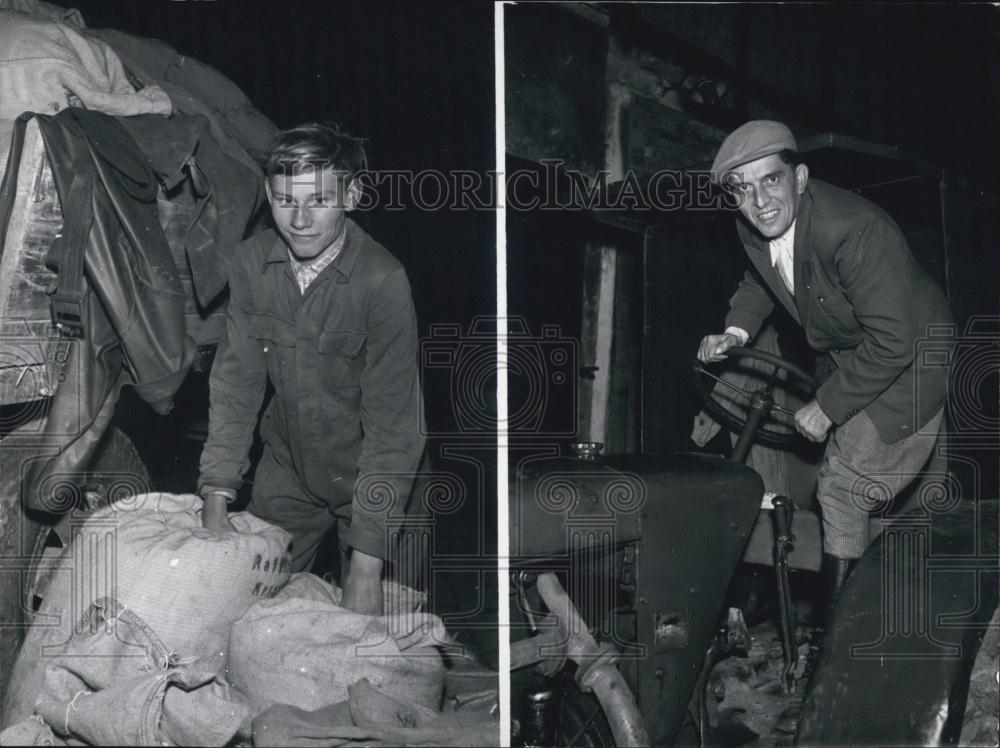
x,y
900,646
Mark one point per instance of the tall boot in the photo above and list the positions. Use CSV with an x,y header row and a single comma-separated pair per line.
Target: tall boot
x,y
834,572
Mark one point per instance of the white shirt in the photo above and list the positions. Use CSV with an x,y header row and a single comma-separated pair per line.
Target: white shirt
x,y
783,258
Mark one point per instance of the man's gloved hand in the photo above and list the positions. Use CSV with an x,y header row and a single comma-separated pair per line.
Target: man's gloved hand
x,y
215,512
363,586
714,347
705,429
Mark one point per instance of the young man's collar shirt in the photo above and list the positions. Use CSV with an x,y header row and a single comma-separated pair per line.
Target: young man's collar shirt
x,y
306,273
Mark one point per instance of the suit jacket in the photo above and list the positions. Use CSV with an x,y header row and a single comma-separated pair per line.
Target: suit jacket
x,y
860,296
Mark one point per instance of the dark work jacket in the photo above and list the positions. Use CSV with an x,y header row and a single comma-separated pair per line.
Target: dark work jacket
x,y
861,296
346,414
131,298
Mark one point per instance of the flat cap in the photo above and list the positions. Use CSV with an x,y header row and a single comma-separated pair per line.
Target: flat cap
x,y
756,139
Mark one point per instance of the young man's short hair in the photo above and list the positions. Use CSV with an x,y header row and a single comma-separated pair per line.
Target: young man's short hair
x,y
316,145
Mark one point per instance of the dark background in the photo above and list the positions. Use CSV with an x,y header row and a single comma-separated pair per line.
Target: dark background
x,y
920,75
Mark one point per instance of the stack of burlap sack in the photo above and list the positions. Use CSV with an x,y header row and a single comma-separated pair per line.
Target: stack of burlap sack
x,y
154,631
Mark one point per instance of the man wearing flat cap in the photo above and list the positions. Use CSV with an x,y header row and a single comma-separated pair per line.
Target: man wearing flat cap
x,y
842,268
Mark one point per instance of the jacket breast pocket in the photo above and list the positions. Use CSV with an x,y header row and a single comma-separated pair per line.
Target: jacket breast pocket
x,y
832,322
342,355
276,338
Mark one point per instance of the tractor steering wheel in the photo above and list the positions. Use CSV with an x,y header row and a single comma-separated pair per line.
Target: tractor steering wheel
x,y
744,407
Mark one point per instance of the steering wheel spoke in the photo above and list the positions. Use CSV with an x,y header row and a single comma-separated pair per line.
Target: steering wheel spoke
x,y
752,386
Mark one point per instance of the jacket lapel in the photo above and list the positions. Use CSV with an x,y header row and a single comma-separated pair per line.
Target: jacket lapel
x,y
802,265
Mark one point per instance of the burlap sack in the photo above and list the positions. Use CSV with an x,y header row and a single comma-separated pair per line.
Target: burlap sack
x,y
301,648
31,731
122,686
151,554
179,706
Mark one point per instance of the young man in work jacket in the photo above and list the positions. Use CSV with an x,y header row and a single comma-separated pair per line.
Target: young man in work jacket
x,y
842,268
324,313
